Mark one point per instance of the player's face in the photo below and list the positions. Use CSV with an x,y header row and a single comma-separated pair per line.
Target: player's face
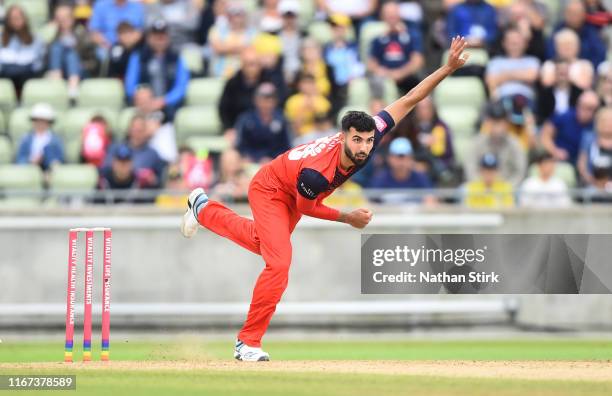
x,y
357,145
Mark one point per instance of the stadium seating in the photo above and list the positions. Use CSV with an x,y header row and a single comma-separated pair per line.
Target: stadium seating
x,y
307,12
123,122
36,10
322,32
563,170
214,144
65,178
204,91
461,148
3,125
75,119
478,57
19,124
196,121
461,119
24,180
6,150
369,31
460,91
46,90
8,97
192,56
359,92
101,93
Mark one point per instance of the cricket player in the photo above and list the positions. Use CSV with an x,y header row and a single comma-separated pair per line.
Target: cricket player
x,y
295,184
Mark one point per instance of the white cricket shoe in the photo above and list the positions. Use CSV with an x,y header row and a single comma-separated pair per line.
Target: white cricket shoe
x,y
246,353
190,224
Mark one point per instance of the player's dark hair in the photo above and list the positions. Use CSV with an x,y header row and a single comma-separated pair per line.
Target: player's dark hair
x,y
362,122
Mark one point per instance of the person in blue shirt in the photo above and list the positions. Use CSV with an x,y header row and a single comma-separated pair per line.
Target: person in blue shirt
x,y
400,174
263,133
398,54
476,20
41,146
106,17
563,133
160,68
592,46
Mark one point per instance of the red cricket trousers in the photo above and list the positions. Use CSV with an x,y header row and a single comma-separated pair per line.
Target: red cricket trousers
x,y
269,235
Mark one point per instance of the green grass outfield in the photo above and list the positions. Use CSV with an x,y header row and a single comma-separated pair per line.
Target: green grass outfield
x,y
194,366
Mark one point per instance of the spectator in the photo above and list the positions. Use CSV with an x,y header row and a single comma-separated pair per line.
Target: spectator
x,y
360,11
489,191
120,175
95,140
600,189
147,164
563,133
233,183
343,58
529,17
302,108
181,16
269,16
545,190
597,14
521,121
162,69
64,57
515,73
314,64
238,92
263,133
476,20
398,54
106,17
510,158
229,40
324,125
41,146
604,87
269,50
163,136
401,174
129,41
558,97
567,47
291,38
592,47
21,54
596,151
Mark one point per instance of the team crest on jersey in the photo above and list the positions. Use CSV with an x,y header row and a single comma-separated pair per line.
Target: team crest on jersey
x,y
381,125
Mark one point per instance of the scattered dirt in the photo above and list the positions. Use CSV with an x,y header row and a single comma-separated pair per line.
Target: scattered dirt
x,y
529,370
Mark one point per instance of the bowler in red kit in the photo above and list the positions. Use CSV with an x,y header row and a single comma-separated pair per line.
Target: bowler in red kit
x,y
293,185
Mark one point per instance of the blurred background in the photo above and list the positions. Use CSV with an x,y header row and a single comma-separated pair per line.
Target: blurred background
x,y
111,111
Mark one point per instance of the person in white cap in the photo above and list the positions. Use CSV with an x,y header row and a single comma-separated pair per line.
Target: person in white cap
x,y
41,146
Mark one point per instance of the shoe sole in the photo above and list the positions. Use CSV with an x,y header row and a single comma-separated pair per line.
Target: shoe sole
x,y
189,213
261,359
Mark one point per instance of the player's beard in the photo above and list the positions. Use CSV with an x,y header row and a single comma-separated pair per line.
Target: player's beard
x,y
358,159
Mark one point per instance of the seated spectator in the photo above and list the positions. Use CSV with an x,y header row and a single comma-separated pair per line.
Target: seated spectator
x,y
545,190
263,133
476,20
41,146
163,136
228,40
343,58
181,16
510,158
521,120
604,87
596,150
597,14
301,109
21,53
233,183
269,16
490,190
64,58
120,175
600,188
398,54
129,41
162,69
567,47
291,38
401,174
106,17
324,125
269,50
360,11
563,133
95,140
513,73
237,96
592,47
147,164
314,64
558,97
529,17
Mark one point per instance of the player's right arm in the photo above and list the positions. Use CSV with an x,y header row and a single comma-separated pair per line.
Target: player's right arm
x,y
456,59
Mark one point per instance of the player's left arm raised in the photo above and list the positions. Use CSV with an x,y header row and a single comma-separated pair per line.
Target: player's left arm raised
x,y
456,59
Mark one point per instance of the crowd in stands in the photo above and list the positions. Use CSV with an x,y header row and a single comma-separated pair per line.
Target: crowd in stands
x,y
210,90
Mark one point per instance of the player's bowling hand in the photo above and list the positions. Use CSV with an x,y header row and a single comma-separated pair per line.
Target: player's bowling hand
x,y
359,218
456,56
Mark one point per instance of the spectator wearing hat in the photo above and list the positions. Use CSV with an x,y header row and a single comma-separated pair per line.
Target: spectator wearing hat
x,y
181,16
489,190
128,42
401,174
263,133
41,146
513,73
228,40
291,38
160,68
510,158
343,58
544,189
596,149
398,54
302,108
120,175
476,20
563,133
106,17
